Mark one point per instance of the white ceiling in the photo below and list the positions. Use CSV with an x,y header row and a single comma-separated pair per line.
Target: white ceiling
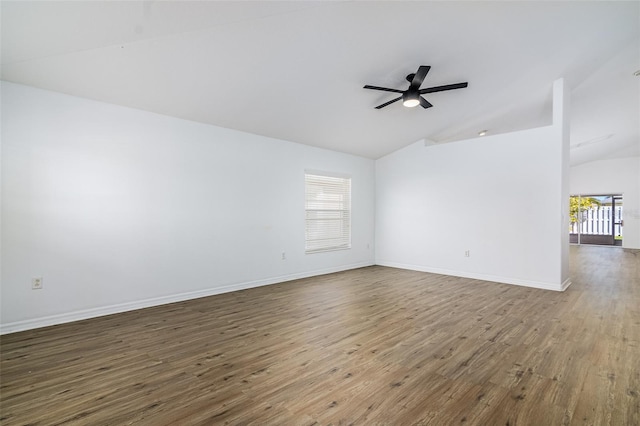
x,y
295,70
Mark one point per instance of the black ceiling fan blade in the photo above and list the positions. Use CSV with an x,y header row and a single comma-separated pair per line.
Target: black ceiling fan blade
x,y
425,103
419,76
384,89
388,103
443,88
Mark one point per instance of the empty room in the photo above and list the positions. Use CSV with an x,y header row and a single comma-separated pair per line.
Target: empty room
x,y
320,213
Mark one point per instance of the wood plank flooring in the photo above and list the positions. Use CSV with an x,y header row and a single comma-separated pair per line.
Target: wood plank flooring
x,y
372,346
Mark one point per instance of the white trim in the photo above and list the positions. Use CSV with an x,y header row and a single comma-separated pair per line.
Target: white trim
x,y
30,324
565,284
327,174
483,277
325,250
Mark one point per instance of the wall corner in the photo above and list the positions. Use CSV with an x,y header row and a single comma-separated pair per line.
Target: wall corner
x,y
561,121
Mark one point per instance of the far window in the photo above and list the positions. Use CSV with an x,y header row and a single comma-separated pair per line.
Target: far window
x,y
328,212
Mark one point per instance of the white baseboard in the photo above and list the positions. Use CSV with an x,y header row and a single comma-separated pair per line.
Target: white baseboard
x,y
30,324
483,277
566,283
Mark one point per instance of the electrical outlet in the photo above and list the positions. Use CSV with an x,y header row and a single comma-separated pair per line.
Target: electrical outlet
x,y
36,283
467,253
284,256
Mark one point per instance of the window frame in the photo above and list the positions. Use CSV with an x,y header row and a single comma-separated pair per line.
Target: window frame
x,y
340,197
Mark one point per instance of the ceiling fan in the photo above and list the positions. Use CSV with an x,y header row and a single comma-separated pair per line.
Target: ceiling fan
x,y
412,96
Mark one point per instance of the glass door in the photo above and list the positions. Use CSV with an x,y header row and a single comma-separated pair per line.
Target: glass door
x,y
618,222
596,219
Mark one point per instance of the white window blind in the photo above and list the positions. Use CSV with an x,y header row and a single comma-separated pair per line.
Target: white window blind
x,y
328,213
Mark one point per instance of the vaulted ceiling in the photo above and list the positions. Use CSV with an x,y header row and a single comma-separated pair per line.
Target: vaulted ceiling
x,y
295,70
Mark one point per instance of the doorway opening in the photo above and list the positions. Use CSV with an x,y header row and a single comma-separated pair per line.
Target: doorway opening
x,y
596,219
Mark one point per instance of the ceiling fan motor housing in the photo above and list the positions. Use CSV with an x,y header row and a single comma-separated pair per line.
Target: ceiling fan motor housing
x,y
411,97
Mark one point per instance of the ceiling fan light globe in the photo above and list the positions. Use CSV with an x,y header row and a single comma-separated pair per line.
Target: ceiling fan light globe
x,y
410,103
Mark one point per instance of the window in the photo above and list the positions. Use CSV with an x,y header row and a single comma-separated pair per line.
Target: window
x,y
328,212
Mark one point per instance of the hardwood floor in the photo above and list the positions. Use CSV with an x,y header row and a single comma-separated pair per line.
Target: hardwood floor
x,y
370,346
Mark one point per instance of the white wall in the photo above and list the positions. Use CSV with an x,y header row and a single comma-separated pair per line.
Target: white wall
x,y
118,208
503,198
561,122
618,176
497,196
